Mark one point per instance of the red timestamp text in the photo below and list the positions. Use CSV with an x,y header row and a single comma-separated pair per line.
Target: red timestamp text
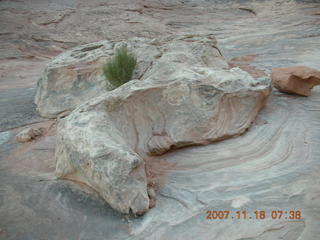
x,y
257,214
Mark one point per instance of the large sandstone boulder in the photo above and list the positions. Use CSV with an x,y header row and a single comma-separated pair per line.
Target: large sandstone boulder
x,y
76,75
184,98
298,80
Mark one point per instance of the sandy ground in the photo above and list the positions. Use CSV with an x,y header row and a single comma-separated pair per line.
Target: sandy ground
x,y
274,166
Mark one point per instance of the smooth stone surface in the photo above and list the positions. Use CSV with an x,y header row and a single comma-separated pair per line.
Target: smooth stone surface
x,y
17,108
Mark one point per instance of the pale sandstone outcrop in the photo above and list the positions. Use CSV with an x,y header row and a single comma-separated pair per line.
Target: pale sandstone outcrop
x,y
76,75
71,78
298,80
184,99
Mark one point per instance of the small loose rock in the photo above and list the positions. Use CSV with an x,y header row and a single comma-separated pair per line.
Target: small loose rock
x,y
295,80
28,134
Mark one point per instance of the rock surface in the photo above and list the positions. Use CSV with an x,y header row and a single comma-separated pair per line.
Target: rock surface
x,y
76,75
28,134
275,164
181,101
72,77
297,80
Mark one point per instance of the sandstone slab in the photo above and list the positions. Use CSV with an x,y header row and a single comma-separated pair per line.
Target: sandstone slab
x,y
297,80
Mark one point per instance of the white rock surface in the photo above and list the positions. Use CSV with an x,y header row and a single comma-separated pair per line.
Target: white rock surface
x,y
181,101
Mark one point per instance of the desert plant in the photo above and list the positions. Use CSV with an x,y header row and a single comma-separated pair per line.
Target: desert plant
x,y
120,68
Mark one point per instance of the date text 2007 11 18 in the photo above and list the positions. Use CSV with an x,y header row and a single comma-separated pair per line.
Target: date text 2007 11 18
x,y
259,214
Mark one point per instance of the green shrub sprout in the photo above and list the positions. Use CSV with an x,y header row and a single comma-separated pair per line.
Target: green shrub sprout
x,y
120,68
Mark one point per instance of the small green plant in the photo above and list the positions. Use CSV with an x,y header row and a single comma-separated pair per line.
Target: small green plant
x,y
120,68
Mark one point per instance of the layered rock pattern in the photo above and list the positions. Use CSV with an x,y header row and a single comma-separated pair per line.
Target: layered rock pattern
x,y
182,100
273,166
